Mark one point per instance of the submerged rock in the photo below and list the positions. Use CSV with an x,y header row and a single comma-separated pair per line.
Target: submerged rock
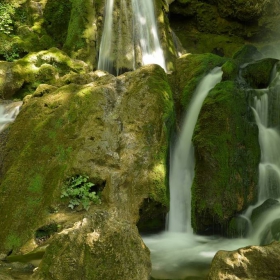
x,y
253,262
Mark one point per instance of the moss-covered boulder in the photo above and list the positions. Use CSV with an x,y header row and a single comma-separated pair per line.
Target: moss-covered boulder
x,y
22,77
254,262
227,156
190,69
258,74
113,130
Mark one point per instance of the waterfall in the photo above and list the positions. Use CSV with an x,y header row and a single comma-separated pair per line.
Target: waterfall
x,y
174,252
182,159
269,139
265,109
8,113
130,37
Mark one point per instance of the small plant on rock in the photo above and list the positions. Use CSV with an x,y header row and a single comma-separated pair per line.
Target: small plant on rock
x,y
80,192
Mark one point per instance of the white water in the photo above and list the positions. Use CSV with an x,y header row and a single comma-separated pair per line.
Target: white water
x,y
136,36
269,139
146,32
104,62
182,159
269,166
179,253
175,252
8,113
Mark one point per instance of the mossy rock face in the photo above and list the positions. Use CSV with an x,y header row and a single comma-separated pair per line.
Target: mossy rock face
x,y
215,26
23,76
115,130
190,69
241,10
246,54
56,19
84,30
258,74
230,70
227,156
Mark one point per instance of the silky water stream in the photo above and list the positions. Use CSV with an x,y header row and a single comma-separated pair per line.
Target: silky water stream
x,y
178,253
130,37
8,113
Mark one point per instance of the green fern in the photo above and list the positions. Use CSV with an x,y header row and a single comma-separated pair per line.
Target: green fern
x,y
78,190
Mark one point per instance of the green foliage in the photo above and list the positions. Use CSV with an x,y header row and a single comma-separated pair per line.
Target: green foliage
x,y
6,22
11,53
78,190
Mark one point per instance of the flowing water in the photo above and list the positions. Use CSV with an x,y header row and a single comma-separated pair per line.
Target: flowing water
x,y
8,113
178,253
174,253
182,159
268,121
130,37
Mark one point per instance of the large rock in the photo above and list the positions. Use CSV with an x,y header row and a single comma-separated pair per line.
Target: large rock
x,y
114,130
227,157
99,246
258,74
226,145
253,262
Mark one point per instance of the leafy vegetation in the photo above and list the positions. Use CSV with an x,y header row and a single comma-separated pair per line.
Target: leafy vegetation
x,y
79,191
6,22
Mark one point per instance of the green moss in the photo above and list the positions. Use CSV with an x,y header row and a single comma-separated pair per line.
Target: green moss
x,y
196,42
12,241
190,70
56,19
246,53
227,157
77,24
257,74
230,70
36,184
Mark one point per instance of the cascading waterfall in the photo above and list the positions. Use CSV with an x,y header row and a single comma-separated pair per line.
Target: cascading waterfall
x,y
269,139
178,253
130,37
174,252
269,166
182,160
8,113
